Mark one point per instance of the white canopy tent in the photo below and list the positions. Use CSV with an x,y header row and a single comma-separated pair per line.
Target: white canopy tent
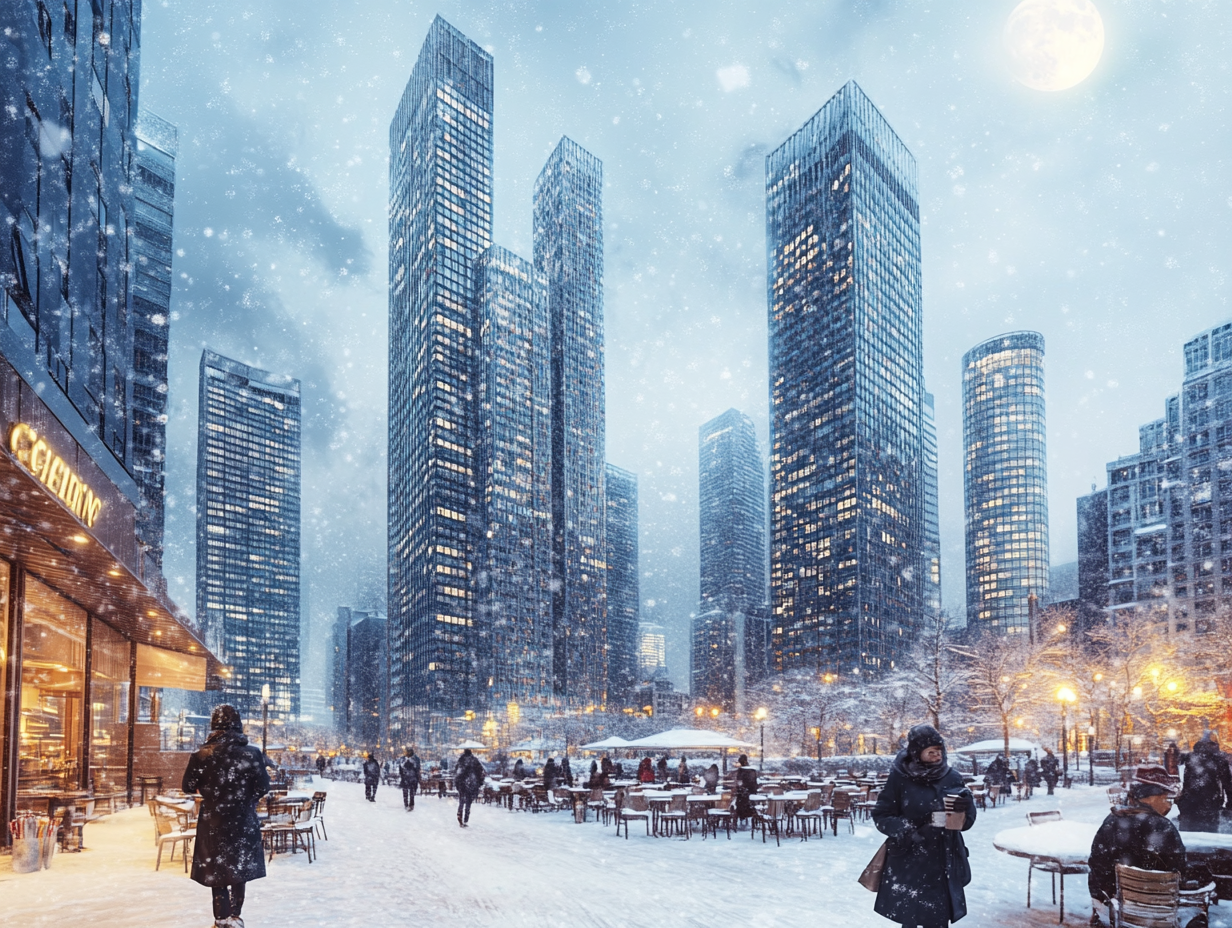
x,y
536,745
473,745
997,745
688,739
615,742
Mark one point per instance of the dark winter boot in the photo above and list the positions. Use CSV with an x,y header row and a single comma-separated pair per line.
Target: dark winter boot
x,y
461,824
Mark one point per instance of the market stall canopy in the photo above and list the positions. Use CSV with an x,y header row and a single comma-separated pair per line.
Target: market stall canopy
x,y
473,745
537,744
997,745
615,742
688,739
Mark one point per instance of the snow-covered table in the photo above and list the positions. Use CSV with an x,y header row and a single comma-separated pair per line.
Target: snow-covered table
x,y
1058,848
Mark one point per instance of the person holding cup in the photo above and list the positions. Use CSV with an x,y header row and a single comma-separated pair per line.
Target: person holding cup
x,y
923,811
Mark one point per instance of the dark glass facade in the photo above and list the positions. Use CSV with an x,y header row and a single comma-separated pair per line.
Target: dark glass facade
x,y
1093,557
248,530
68,104
360,684
728,635
1005,476
623,586
440,221
568,243
846,391
932,512
154,192
513,465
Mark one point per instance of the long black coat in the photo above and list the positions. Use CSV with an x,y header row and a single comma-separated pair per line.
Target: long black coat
x,y
1137,836
1049,766
468,776
1031,773
372,772
746,786
230,776
926,867
408,771
1208,787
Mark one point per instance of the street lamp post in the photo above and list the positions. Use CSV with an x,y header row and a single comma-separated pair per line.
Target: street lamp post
x,y
760,715
1064,695
265,698
1091,754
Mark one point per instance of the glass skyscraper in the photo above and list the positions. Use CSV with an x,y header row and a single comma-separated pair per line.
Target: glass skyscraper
x,y
440,221
568,243
932,513
623,586
847,391
1005,476
154,192
728,633
248,530
513,464
1169,507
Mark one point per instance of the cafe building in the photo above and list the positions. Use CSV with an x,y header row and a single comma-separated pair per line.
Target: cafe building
x,y
87,639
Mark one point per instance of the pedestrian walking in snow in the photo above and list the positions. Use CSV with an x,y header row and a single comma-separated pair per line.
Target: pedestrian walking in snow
x,y
372,777
1207,788
1138,834
1031,773
645,771
549,775
1172,759
1051,769
926,865
663,769
746,786
519,770
468,777
566,772
711,778
230,775
682,772
321,765
409,768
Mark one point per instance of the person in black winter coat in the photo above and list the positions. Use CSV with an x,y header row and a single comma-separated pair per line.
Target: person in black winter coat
x,y
1031,773
519,770
1138,835
372,777
230,775
468,777
321,765
926,866
566,772
1208,786
409,770
746,786
1050,767
1172,759
549,775
662,769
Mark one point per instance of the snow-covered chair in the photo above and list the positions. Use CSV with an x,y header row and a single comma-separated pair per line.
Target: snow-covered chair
x,y
168,831
631,807
811,814
1146,898
676,816
725,814
1054,868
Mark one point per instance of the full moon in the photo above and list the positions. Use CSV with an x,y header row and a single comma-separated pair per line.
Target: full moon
x,y
1053,44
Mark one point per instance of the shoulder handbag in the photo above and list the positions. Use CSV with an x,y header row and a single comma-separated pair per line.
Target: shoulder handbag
x,y
870,879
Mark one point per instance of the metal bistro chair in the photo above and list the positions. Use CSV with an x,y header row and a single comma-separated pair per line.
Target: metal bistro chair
x,y
843,808
1146,898
318,812
168,831
811,813
773,819
676,816
1053,868
637,808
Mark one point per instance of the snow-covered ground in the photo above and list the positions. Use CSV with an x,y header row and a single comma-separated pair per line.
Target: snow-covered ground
x,y
384,867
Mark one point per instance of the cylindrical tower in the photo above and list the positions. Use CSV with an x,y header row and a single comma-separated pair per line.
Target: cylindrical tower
x,y
1006,481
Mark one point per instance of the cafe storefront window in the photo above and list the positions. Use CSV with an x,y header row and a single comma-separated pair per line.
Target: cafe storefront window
x,y
4,651
53,665
110,660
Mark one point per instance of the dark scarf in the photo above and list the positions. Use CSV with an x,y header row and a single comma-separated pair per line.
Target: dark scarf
x,y
917,770
221,735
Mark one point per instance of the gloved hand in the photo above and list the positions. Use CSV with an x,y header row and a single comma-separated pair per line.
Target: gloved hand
x,y
962,802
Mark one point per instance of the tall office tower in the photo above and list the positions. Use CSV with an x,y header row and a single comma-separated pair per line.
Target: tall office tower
x,y
729,639
623,586
651,651
932,511
154,191
512,606
1093,558
69,105
1005,473
847,390
248,527
568,231
359,687
1170,506
440,221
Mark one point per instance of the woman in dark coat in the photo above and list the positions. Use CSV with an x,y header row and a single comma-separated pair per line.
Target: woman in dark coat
x,y
1031,773
230,775
1051,769
1208,786
519,770
926,866
645,771
746,786
372,777
549,775
682,772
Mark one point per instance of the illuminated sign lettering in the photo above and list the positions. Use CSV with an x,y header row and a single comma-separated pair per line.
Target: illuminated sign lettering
x,y
34,454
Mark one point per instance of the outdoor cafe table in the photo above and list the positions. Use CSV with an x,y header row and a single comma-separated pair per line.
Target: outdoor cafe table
x,y
578,794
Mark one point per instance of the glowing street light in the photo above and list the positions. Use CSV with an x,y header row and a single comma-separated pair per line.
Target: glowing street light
x,y
1065,695
760,715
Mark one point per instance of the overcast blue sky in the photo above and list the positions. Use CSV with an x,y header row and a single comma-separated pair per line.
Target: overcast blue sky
x,y
1098,216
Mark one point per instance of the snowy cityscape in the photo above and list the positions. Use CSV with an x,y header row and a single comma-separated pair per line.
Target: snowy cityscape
x,y
495,464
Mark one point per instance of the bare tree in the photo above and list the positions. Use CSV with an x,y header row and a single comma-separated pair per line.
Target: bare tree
x,y
999,672
936,672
